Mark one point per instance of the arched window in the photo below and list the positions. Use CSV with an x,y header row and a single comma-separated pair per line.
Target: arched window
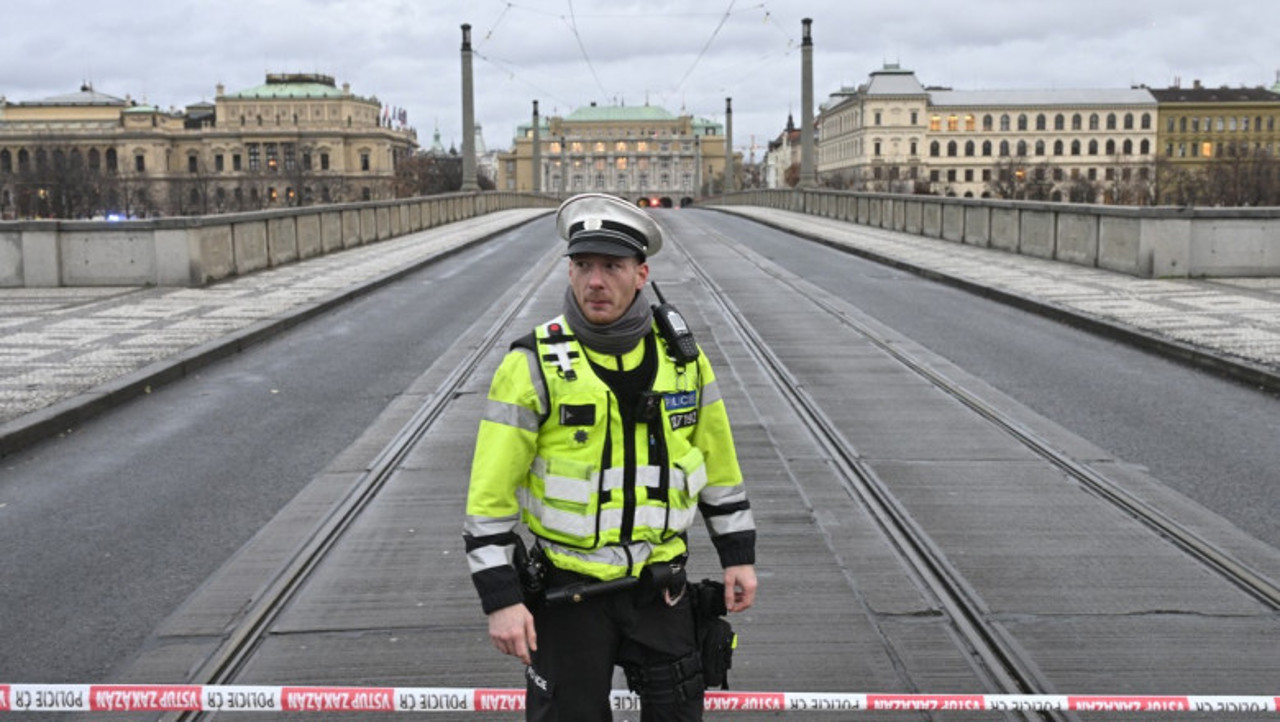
x,y
112,162
951,149
1145,147
987,122
6,161
986,148
1059,122
1075,147
1004,122
1022,148
24,160
1039,147
1004,148
1146,121
1128,147
1111,121
1093,121
934,149
1057,146
968,148
1111,147
1022,122
1042,123
1076,122
1128,121
1093,147
95,160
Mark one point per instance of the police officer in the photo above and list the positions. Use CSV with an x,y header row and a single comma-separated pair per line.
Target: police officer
x,y
604,441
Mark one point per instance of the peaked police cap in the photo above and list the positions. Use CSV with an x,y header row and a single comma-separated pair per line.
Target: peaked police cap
x,y
605,224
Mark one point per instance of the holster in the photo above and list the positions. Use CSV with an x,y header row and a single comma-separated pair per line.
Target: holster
x,y
715,637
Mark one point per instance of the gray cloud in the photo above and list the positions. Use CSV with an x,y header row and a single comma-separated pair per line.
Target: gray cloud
x,y
680,54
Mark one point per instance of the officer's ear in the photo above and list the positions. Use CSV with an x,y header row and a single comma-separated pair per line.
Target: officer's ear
x,y
642,273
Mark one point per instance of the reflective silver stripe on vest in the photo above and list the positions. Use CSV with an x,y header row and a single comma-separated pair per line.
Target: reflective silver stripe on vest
x,y
553,519
647,476
724,495
561,487
515,415
637,553
730,523
482,526
535,376
490,556
710,393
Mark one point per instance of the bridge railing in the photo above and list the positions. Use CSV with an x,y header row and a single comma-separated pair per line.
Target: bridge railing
x,y
196,251
1154,242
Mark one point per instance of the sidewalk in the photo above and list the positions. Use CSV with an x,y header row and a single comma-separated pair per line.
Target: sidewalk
x,y
1230,325
67,353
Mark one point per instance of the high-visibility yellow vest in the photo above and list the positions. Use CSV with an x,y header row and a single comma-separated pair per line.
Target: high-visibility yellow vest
x,y
606,496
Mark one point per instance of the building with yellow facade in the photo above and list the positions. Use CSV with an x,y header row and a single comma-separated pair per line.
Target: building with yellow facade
x,y
295,139
642,153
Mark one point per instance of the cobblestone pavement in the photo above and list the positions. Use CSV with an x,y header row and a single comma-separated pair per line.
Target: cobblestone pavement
x,y
58,343
1236,319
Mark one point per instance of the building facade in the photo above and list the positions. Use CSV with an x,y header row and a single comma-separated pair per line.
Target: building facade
x,y
645,154
1218,145
893,134
296,139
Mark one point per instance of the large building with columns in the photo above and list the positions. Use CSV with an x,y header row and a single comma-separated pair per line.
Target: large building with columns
x,y
295,139
642,153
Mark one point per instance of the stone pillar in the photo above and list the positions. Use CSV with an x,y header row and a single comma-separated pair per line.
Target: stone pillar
x,y
468,117
730,174
808,178
537,150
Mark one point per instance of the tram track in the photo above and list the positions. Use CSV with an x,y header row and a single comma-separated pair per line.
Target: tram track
x,y
999,659
224,664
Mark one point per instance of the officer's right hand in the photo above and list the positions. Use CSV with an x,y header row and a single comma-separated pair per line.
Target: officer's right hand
x,y
512,632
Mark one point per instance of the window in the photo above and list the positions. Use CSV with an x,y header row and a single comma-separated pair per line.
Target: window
x,y
324,161
1004,122
876,145
988,123
934,149
140,163
1128,121
273,157
1042,123
6,161
953,123
969,123
1022,122
1004,148
1022,148
951,149
364,162
913,148
1039,147
193,164
255,157
219,164
1146,121
1076,122
877,119
915,117
1128,147
1059,122
1111,148
1145,148
1057,146
1093,147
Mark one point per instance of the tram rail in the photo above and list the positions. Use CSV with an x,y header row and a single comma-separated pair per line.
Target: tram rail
x,y
998,660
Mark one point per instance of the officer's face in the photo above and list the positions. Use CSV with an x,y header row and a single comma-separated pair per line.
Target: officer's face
x,y
604,286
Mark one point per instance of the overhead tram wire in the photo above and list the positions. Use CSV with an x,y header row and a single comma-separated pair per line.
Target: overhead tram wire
x,y
723,19
573,25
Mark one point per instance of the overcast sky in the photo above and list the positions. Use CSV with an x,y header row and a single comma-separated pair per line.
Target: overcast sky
x,y
682,55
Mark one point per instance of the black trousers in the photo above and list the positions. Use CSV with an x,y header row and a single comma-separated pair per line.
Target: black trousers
x,y
580,643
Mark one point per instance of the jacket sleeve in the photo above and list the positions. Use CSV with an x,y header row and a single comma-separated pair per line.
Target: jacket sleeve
x,y
505,448
723,502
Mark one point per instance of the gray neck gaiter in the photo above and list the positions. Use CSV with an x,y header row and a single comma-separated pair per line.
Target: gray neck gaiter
x,y
615,338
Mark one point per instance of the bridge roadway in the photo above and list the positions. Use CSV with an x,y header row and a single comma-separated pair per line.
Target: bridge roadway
x,y
1102,604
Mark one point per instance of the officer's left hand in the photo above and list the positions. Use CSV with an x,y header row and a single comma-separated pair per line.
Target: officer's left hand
x,y
739,587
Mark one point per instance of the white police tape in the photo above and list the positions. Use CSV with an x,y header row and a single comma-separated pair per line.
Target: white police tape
x,y
212,698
